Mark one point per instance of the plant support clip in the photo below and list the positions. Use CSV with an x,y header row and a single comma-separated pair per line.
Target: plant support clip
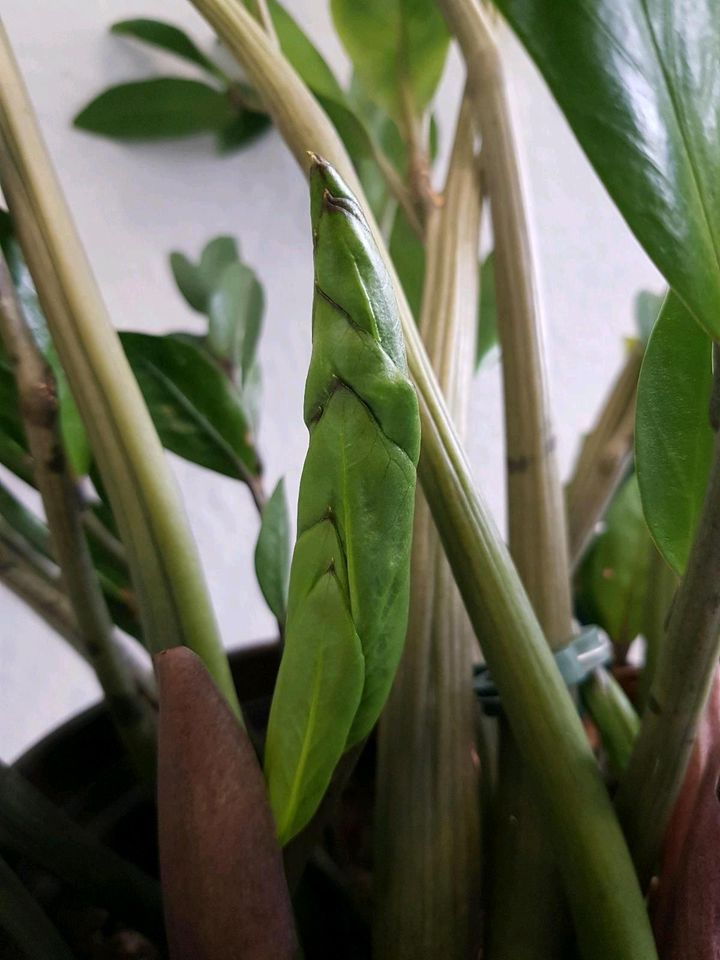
x,y
586,651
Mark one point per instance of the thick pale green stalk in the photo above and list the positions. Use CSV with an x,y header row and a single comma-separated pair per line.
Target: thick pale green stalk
x,y
427,805
526,917
39,408
173,600
603,459
678,692
606,898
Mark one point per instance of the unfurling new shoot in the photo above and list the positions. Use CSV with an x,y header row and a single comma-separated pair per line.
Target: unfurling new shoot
x,y
348,598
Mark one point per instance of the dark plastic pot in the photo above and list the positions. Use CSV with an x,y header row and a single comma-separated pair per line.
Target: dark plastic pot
x,y
80,767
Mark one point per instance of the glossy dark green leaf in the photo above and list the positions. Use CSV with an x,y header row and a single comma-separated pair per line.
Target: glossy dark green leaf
x,y
272,552
487,336
196,282
613,582
167,37
673,438
398,48
408,255
243,130
303,55
157,109
647,310
638,81
195,410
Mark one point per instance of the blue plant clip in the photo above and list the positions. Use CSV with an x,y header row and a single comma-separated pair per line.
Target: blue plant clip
x,y
588,650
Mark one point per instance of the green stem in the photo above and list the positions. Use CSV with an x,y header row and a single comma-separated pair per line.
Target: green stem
x,y
35,829
26,922
15,459
659,603
25,573
39,409
678,693
173,600
613,715
527,914
609,908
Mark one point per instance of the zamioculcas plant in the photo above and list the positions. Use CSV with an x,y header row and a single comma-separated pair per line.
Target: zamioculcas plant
x,y
457,747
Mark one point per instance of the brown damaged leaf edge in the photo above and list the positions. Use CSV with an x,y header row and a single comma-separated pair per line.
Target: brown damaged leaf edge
x,y
224,888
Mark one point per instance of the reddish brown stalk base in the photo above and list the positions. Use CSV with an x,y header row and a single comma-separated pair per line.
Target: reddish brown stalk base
x,y
222,874
686,907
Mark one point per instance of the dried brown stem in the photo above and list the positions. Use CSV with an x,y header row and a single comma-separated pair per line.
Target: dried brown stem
x,y
604,457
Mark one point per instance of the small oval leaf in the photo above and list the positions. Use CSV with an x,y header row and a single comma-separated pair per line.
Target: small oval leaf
x,y
167,37
157,109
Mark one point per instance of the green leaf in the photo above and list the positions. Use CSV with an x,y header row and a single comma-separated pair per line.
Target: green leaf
x,y
196,282
647,310
242,131
272,552
673,438
157,33
195,410
303,55
157,109
487,336
638,82
408,254
613,582
397,47
235,312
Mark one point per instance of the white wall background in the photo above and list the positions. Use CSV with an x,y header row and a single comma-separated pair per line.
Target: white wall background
x,y
133,204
